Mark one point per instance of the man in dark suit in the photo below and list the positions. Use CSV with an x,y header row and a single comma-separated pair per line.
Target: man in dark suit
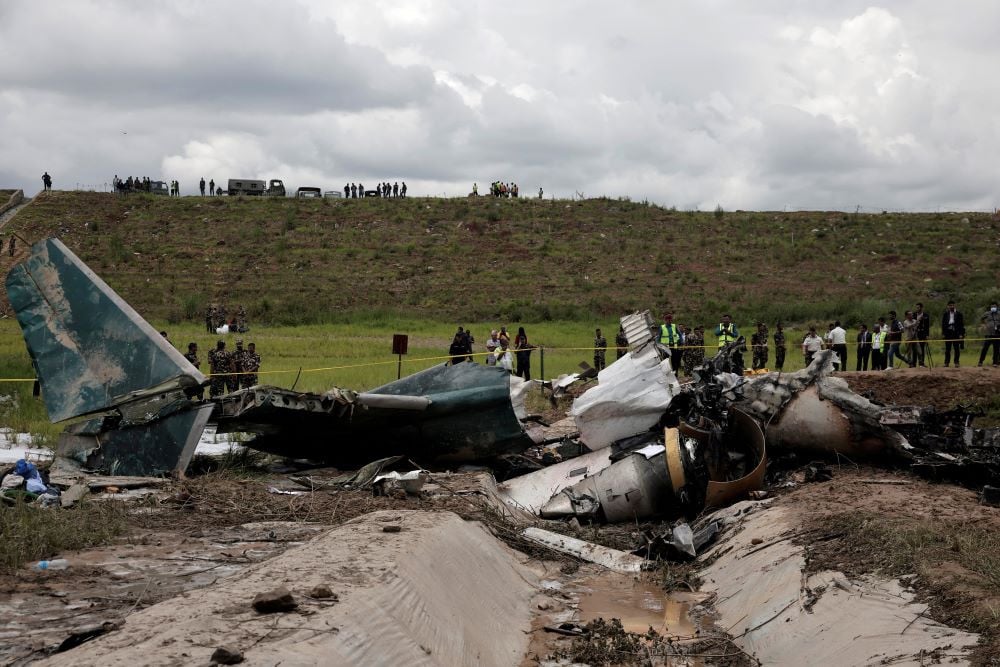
x,y
953,332
864,347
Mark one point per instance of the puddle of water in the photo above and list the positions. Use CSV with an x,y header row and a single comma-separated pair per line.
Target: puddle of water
x,y
639,605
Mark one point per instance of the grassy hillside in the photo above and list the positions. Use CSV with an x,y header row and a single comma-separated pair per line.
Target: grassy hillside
x,y
303,261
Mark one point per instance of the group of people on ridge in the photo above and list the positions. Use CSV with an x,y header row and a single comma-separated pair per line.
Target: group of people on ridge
x,y
357,191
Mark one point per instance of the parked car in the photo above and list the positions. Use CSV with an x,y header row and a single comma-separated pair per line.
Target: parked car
x,y
333,194
307,193
159,188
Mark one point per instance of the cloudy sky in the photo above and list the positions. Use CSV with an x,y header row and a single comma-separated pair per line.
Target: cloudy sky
x,y
770,104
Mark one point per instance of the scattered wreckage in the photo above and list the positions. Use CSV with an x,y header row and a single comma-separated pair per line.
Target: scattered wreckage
x,y
649,446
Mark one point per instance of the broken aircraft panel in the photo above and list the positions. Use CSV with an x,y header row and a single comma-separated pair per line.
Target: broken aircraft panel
x,y
681,473
460,412
631,396
90,349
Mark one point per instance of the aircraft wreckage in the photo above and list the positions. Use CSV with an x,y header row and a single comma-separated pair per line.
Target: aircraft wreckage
x,y
650,446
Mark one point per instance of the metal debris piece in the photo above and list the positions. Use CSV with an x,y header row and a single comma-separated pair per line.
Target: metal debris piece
x,y
618,561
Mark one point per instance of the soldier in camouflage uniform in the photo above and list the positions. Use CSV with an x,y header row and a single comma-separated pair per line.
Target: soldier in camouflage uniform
x,y
759,342
600,348
251,364
220,318
210,318
621,342
192,356
219,363
236,366
241,319
694,350
779,347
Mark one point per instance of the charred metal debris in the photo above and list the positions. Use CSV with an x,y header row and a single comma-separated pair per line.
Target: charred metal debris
x,y
644,445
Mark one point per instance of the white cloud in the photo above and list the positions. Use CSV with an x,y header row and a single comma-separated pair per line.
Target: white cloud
x,y
749,105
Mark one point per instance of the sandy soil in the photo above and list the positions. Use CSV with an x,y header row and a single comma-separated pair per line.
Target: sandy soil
x,y
936,536
199,532
942,388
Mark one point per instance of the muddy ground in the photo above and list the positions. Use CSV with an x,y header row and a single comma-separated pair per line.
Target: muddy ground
x,y
938,537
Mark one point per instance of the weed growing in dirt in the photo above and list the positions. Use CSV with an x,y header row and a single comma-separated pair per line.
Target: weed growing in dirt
x,y
34,533
607,643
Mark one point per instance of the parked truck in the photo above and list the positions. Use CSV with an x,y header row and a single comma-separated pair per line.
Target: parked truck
x,y
246,186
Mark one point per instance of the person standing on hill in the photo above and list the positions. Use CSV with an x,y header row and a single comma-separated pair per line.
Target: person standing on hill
x,y
953,332
211,187
779,347
402,190
600,348
201,186
991,320
522,351
47,181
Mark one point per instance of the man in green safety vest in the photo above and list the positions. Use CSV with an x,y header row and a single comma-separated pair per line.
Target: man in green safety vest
x,y
727,333
672,339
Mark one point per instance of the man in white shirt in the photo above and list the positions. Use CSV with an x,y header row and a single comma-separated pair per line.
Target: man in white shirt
x,y
811,345
838,343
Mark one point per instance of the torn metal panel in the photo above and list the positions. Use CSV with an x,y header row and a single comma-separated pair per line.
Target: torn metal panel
x,y
617,561
631,397
90,349
637,486
161,447
639,328
460,412
530,492
809,410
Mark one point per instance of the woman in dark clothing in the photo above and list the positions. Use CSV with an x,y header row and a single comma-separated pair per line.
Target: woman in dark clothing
x,y
457,350
522,350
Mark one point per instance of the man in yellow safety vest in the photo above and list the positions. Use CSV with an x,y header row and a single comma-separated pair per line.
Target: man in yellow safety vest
x,y
727,333
672,339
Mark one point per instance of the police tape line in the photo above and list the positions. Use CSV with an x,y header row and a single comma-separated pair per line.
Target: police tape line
x,y
543,348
